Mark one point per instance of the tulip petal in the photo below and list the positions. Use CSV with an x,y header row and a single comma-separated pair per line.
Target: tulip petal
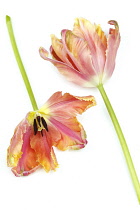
x,y
42,144
63,109
72,134
113,42
27,164
70,105
14,150
20,155
95,39
101,34
57,49
78,52
69,72
67,105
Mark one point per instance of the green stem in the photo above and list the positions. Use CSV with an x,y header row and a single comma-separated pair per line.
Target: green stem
x,y
20,64
122,141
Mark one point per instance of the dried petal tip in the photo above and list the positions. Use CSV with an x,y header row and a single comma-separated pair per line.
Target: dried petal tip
x,y
43,52
114,22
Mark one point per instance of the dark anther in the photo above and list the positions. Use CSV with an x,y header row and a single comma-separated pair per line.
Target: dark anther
x,y
42,132
35,127
38,120
44,123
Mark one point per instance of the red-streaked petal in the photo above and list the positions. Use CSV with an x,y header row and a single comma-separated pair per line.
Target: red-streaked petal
x,y
44,151
70,73
55,98
27,163
89,32
113,42
84,29
54,55
14,150
65,127
67,105
20,155
70,105
79,53
58,48
72,133
67,143
63,109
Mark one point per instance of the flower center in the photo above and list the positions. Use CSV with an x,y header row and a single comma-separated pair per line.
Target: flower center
x,y
39,124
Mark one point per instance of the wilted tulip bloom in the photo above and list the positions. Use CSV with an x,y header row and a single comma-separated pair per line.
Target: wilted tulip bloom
x,y
85,55
54,124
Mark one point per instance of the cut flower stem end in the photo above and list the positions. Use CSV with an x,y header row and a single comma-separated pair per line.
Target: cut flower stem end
x,y
20,64
122,140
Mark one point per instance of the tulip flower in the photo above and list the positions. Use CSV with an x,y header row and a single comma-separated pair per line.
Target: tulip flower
x,y
53,125
86,56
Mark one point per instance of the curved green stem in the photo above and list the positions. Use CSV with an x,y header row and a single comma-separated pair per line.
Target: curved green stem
x,y
122,141
20,64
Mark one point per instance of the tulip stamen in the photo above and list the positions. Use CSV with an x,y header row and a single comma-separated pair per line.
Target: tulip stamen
x,y
39,124
38,120
35,127
44,124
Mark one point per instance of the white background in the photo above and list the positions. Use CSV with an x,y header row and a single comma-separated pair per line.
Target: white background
x,y
97,176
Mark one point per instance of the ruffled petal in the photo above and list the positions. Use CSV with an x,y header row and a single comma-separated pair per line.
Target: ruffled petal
x,y
72,133
101,34
42,144
62,119
84,29
69,72
20,155
79,53
27,164
113,42
14,150
96,41
58,51
67,105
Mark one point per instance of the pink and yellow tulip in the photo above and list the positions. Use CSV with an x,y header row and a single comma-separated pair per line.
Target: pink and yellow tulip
x,y
85,55
54,124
